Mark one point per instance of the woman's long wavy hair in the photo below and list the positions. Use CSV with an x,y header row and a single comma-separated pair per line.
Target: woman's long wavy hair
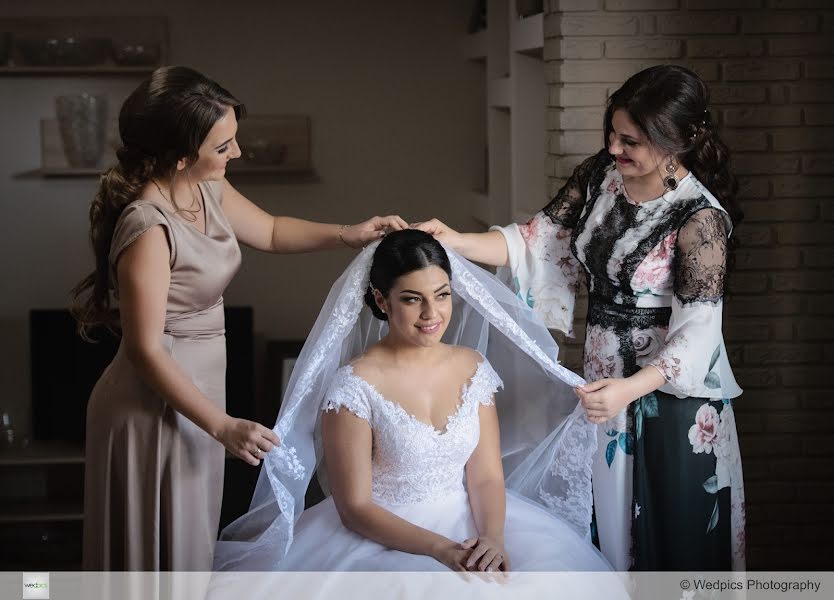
x,y
164,120
670,104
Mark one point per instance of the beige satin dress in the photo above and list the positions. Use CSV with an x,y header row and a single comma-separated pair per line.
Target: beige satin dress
x,y
154,480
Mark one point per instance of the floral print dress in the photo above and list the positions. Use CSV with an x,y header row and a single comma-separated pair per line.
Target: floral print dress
x,y
668,489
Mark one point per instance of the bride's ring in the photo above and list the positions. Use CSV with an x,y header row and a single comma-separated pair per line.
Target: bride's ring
x,y
258,453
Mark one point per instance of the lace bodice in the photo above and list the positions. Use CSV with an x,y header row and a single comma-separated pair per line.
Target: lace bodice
x,y
411,460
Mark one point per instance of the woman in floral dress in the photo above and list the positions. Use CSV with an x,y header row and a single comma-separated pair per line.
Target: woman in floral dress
x,y
647,221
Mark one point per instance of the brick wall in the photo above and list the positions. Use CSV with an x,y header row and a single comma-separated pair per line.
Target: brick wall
x,y
770,67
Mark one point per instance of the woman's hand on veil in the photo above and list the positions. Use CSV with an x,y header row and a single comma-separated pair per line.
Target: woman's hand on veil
x,y
605,398
247,440
357,236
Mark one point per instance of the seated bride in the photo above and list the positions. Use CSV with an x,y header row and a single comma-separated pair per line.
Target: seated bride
x,y
400,398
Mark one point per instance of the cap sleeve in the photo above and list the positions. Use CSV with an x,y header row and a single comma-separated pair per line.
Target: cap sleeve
x,y
134,221
485,383
345,391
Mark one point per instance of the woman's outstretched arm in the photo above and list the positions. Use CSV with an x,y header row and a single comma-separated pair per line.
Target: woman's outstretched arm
x,y
488,248
287,235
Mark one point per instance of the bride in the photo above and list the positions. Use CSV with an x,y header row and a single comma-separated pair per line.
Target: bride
x,y
401,399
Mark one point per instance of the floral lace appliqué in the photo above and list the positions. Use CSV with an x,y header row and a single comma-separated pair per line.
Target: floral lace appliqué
x,y
287,462
571,464
413,461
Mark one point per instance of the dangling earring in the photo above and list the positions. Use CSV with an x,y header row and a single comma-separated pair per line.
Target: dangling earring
x,y
670,180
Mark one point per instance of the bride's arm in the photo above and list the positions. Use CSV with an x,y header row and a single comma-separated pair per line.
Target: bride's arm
x,y
347,451
487,495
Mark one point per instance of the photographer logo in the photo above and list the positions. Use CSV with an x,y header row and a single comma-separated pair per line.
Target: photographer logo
x,y
35,585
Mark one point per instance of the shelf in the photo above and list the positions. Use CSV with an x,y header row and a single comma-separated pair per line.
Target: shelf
x,y
271,175
63,172
498,94
43,453
527,35
40,512
92,46
95,70
475,45
275,148
516,111
242,174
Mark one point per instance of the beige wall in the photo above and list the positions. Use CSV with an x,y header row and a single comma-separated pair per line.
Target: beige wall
x,y
398,126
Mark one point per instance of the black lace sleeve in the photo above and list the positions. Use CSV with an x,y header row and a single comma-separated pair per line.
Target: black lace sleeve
x,y
701,257
566,206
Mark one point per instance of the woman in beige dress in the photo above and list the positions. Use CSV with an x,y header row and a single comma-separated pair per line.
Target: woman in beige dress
x,y
165,227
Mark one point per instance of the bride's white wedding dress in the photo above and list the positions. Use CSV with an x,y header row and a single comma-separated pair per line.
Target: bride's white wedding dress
x,y
547,449
418,474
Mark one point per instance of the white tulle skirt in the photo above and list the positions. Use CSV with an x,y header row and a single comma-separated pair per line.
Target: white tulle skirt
x,y
535,540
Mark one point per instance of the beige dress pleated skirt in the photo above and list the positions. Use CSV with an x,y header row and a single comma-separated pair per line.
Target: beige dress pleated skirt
x,y
153,479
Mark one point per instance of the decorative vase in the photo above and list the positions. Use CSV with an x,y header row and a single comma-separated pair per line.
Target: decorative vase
x,y
82,120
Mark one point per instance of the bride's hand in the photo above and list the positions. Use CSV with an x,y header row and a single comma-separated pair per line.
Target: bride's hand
x,y
357,236
451,554
247,440
488,554
441,232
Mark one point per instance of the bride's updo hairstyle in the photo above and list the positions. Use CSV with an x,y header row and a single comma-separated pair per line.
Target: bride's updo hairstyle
x,y
400,253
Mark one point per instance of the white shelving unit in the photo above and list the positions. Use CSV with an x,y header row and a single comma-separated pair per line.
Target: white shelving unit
x,y
500,93
527,35
475,46
511,50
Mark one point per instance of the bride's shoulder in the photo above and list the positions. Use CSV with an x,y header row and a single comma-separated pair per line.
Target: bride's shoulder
x,y
465,355
368,364
483,381
463,359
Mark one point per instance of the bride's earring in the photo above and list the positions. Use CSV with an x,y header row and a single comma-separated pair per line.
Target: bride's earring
x,y
670,180
374,292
